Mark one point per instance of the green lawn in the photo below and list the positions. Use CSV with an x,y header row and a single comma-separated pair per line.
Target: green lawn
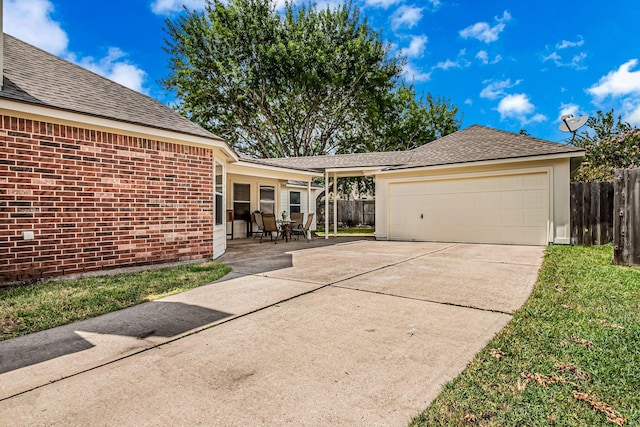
x,y
569,357
348,231
32,308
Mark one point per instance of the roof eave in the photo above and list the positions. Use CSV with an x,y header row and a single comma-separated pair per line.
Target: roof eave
x,y
49,112
509,160
274,169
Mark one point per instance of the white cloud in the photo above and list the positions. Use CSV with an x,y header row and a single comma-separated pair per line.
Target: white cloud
x,y
381,3
519,107
570,108
31,21
631,113
564,44
497,89
114,67
620,82
576,62
167,7
406,16
415,75
483,56
468,101
445,65
416,46
484,32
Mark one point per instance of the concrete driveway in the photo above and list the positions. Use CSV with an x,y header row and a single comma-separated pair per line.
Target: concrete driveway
x,y
338,332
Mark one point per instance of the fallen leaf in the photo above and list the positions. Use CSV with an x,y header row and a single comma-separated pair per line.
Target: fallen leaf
x,y
578,373
497,353
578,340
612,415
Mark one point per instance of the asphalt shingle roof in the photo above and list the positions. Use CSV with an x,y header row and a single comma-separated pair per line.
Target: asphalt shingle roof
x,y
473,144
34,76
479,143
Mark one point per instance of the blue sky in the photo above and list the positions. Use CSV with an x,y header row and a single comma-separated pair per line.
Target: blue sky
x,y
510,64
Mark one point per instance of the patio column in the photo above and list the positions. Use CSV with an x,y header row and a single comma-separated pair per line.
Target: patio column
x,y
326,205
308,204
335,206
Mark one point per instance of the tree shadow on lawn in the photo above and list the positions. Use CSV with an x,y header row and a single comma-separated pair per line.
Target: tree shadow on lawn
x,y
157,318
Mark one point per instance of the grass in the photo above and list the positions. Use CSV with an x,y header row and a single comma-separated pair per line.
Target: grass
x,y
348,231
28,309
569,357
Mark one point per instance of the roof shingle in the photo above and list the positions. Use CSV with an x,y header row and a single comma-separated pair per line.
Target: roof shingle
x,y
473,144
34,76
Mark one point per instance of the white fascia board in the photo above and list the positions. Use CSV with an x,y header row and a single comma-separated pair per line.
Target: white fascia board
x,y
359,171
265,171
486,163
79,120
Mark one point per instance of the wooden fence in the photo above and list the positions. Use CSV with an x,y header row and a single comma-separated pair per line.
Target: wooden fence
x,y
592,213
626,209
350,212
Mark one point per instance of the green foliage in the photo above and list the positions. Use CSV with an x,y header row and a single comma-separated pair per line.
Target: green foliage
x,y
299,83
28,309
575,337
612,144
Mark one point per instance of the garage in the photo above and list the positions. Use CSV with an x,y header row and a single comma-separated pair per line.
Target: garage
x,y
509,208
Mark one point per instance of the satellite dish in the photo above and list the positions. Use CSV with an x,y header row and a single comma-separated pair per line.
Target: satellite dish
x,y
572,124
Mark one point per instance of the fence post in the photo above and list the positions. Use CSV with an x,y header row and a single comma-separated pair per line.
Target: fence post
x,y
626,243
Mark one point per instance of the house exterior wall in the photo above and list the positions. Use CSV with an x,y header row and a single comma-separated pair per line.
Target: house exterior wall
x,y
304,207
559,179
96,200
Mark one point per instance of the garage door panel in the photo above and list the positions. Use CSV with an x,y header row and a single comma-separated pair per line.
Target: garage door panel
x,y
498,209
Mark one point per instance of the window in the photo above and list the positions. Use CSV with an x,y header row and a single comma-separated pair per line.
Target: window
x,y
219,193
242,201
294,201
267,199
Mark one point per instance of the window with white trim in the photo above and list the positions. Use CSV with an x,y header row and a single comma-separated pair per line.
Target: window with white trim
x,y
241,201
267,199
294,201
219,192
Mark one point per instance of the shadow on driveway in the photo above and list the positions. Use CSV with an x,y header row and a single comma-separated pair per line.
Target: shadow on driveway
x,y
157,318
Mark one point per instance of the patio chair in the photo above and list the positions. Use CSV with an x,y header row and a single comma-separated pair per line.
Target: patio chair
x,y
270,225
304,230
297,218
260,224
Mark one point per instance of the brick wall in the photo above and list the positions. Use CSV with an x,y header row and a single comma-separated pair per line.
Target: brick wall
x,y
97,200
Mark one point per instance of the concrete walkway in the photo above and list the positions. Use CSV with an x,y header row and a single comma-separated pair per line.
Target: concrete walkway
x,y
355,333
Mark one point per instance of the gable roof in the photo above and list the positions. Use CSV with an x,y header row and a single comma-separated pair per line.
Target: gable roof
x,y
36,77
480,143
473,144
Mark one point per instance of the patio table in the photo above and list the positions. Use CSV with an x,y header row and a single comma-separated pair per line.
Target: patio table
x,y
285,228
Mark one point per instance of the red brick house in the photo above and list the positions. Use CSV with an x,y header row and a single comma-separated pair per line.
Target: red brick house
x,y
94,175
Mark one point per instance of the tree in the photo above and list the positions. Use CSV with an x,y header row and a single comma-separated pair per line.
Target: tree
x,y
610,144
301,82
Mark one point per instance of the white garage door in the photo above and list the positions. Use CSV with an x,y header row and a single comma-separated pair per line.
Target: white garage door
x,y
510,209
